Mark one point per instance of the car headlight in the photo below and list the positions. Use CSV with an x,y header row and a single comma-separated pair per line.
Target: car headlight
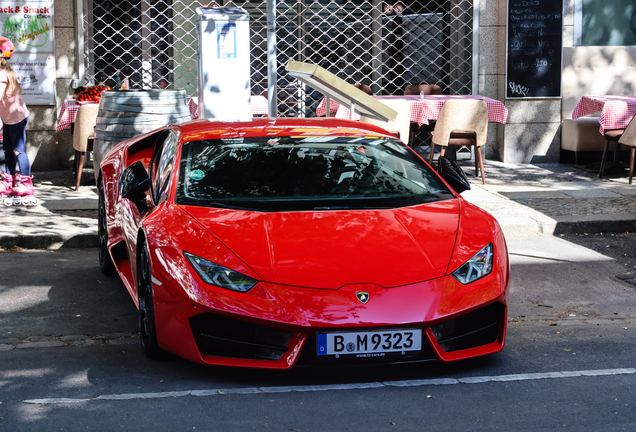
x,y
475,268
220,276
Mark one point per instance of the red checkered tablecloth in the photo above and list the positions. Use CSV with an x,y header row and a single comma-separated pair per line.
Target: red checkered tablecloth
x,y
67,114
258,103
616,111
422,109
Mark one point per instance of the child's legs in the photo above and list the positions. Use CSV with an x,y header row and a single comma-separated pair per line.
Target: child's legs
x,y
15,147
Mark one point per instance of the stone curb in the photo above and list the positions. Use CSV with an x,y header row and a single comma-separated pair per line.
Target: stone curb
x,y
35,342
49,241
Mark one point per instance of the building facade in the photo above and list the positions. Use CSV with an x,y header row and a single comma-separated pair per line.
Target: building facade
x,y
458,44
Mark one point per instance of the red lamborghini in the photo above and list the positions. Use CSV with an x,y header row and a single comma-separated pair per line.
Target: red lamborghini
x,y
278,242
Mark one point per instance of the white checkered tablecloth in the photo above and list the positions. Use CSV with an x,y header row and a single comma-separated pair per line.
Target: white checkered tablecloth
x,y
422,109
67,114
258,103
616,111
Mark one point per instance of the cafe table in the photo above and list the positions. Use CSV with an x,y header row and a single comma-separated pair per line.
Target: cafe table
x,y
68,113
423,108
616,110
258,103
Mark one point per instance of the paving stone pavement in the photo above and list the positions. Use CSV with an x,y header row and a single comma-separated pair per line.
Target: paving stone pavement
x,y
526,199
559,198
63,217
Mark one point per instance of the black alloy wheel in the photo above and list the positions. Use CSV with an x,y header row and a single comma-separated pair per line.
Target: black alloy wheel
x,y
147,329
105,261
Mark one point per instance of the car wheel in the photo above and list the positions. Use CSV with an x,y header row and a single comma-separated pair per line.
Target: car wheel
x,y
105,261
147,329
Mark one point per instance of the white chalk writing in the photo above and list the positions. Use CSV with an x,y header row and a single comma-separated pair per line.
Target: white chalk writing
x,y
518,89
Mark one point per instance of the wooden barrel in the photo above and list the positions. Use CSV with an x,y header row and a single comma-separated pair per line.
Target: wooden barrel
x,y
125,114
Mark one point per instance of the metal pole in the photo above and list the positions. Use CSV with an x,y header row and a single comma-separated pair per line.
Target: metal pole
x,y
376,26
476,17
272,64
79,41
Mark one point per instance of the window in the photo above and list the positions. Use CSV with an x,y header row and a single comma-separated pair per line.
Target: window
x,y
292,173
604,23
165,165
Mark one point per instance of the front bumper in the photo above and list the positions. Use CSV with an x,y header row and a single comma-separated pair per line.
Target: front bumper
x,y
231,341
216,337
275,326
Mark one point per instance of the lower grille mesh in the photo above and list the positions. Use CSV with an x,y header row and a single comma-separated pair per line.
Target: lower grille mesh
x,y
226,337
471,330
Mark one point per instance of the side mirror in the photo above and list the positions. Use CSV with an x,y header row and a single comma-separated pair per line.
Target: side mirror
x,y
452,174
133,184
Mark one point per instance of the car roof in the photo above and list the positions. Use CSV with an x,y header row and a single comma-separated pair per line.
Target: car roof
x,y
211,129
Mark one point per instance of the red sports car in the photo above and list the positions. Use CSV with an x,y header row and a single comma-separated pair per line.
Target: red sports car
x,y
278,242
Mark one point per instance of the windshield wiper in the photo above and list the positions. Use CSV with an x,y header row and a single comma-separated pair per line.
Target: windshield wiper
x,y
353,208
228,206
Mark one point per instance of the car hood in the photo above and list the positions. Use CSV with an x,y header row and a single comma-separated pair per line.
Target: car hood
x,y
330,249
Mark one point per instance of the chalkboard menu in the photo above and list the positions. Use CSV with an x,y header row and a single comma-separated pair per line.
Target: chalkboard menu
x,y
534,49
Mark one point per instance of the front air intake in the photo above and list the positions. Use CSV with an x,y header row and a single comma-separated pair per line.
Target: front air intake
x,y
221,336
474,329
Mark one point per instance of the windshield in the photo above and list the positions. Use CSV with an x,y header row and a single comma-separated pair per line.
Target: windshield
x,y
305,173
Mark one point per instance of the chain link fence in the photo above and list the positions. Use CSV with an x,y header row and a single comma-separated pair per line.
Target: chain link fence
x,y
383,45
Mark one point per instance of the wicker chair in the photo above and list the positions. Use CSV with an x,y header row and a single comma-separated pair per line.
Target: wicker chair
x,y
429,89
83,133
628,138
365,88
462,122
399,127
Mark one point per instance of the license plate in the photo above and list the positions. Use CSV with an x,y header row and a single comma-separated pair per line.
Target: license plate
x,y
369,343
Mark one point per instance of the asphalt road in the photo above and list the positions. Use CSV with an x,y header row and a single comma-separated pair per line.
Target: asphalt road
x,y
66,331
619,246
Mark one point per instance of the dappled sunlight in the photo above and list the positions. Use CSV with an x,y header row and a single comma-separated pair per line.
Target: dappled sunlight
x,y
22,297
31,413
12,381
75,380
555,255
25,373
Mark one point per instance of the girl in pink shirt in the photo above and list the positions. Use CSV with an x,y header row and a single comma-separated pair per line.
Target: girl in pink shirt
x,y
14,115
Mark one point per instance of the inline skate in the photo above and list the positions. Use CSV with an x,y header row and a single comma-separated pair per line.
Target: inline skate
x,y
6,184
22,192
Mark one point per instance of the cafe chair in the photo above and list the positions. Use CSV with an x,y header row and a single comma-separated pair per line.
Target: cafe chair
x,y
400,126
429,89
365,88
83,135
462,122
611,136
629,139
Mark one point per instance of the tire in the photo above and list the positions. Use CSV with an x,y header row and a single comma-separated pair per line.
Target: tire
x,y
147,328
105,261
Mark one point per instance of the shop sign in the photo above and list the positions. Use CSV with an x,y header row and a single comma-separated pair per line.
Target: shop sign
x,y
28,24
36,74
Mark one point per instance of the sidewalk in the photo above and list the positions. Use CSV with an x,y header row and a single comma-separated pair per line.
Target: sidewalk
x,y
526,199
